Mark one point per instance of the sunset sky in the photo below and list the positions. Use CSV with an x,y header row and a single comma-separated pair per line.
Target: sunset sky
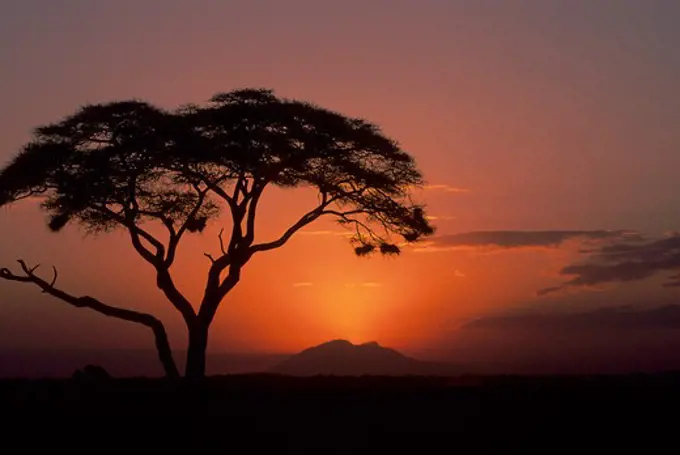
x,y
533,115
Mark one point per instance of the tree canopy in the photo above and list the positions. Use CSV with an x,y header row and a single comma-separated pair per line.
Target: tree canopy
x,y
127,162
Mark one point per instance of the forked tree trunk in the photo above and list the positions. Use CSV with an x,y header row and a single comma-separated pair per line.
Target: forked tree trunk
x,y
198,344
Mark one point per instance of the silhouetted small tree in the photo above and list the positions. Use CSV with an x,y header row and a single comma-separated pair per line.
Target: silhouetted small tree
x,y
129,165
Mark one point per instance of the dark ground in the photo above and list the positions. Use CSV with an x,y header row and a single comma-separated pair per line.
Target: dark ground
x,y
348,415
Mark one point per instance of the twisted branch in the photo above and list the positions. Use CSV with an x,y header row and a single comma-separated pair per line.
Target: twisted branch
x,y
161,338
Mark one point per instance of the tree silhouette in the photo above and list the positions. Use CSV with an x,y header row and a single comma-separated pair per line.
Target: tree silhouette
x,y
129,165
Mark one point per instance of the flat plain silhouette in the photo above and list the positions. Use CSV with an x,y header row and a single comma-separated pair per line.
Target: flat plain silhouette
x,y
370,414
128,165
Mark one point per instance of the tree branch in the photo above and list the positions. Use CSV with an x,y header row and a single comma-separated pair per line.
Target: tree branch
x,y
238,212
136,235
164,280
144,252
252,211
162,343
345,214
237,229
129,216
139,232
176,237
166,284
212,186
306,219
240,187
218,266
222,249
358,224
214,295
302,222
236,255
28,194
54,278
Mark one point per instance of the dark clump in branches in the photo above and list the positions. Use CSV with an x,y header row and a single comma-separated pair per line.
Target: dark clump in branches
x,y
126,164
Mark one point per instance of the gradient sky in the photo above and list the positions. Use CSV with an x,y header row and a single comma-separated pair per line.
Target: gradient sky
x,y
553,115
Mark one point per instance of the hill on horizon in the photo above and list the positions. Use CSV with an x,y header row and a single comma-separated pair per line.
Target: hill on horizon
x,y
342,358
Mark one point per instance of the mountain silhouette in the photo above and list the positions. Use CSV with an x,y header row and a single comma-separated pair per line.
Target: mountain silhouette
x,y
342,358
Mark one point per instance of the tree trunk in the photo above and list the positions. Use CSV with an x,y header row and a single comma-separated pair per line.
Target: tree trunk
x,y
165,352
198,344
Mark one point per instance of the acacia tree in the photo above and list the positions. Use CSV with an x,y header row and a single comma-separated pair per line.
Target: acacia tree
x,y
129,165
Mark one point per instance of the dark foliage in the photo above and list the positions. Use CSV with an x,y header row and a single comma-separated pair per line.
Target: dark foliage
x,y
128,162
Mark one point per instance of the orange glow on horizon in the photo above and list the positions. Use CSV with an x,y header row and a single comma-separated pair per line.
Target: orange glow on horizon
x,y
519,118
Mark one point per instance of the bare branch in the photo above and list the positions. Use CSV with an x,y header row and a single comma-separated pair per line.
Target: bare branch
x,y
136,235
302,222
252,212
6,274
312,216
54,278
238,187
162,343
169,225
163,278
217,267
129,221
214,187
358,224
345,214
144,252
27,195
232,256
306,219
215,294
139,232
222,249
176,237
237,229
165,283
235,256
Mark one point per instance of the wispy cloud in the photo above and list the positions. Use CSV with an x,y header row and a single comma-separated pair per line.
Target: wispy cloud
x,y
518,239
617,318
459,274
446,188
439,217
624,261
304,284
